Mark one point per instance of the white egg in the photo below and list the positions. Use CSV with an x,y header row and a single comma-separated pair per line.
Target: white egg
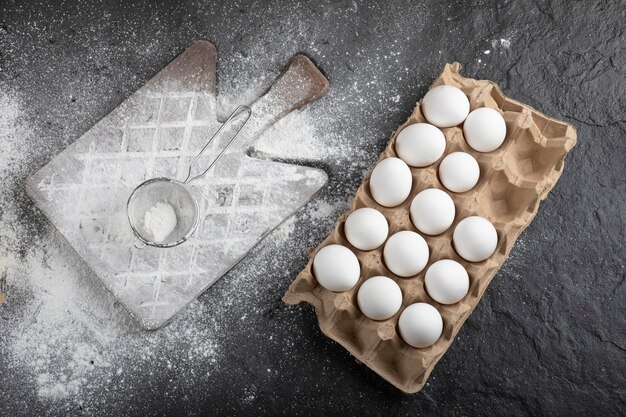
x,y
447,281
484,129
432,211
366,228
459,172
445,106
390,182
336,268
406,253
420,325
475,239
420,144
379,298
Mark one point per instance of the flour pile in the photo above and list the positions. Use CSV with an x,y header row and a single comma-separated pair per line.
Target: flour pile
x,y
159,221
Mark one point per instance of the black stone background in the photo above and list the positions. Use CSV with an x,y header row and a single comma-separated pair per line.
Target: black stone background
x,y
548,338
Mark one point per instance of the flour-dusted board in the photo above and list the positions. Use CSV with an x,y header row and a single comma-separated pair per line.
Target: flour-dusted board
x,y
155,133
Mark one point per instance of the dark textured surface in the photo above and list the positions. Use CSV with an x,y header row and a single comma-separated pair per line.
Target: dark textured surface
x,y
548,337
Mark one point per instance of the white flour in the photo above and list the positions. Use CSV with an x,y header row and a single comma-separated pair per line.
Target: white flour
x,y
159,221
501,43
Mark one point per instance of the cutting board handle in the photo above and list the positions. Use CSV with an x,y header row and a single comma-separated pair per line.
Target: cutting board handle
x,y
299,83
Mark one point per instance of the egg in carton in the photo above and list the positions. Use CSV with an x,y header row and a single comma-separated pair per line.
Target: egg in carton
x,y
513,180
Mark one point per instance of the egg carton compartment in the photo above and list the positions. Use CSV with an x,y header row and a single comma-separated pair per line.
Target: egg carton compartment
x,y
514,179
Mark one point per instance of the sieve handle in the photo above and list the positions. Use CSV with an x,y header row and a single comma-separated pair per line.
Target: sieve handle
x,y
239,110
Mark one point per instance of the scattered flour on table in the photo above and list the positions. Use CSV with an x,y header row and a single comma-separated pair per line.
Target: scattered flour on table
x,y
284,230
501,43
323,210
63,326
69,333
76,344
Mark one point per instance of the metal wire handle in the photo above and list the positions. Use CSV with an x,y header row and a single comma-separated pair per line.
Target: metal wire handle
x,y
234,114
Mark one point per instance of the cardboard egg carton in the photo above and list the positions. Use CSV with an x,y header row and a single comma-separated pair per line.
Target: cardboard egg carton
x,y
514,179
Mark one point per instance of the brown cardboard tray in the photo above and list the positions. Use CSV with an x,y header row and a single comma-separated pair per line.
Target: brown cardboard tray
x,y
514,179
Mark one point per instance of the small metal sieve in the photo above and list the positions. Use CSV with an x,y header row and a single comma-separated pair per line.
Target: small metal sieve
x,y
176,194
